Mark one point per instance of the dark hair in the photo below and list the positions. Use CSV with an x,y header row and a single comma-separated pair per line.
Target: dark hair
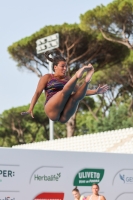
x,y
96,185
75,189
55,58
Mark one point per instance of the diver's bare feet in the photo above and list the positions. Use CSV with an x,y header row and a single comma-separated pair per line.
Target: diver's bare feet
x,y
80,72
89,75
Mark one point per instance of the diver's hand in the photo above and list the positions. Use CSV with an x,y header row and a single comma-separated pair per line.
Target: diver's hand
x,y
27,113
102,89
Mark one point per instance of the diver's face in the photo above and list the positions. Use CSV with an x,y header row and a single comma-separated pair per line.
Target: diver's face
x,y
61,68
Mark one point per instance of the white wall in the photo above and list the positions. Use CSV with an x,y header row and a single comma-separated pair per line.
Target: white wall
x,y
24,174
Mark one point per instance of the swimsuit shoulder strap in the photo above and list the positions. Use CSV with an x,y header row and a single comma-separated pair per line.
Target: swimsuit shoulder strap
x,y
49,80
51,76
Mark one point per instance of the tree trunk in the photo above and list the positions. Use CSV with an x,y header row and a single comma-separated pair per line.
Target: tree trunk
x,y
70,125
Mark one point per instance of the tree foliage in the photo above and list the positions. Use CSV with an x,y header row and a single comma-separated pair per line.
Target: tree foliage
x,y
76,45
16,129
90,118
115,21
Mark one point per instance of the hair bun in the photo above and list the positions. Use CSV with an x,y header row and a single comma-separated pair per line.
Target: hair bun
x,y
47,56
55,58
75,189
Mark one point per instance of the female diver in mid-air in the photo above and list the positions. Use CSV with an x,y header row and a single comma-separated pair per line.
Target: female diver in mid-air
x,y
62,93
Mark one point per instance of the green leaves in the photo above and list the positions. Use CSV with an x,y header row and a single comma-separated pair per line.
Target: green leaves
x,y
17,129
118,118
114,21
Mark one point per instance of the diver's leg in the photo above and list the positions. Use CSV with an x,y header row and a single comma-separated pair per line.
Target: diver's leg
x,y
57,102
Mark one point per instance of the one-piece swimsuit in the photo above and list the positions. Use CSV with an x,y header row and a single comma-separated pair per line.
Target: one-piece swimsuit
x,y
54,86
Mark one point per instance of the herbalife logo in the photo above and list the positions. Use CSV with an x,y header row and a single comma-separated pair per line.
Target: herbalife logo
x,y
8,198
87,177
126,179
47,177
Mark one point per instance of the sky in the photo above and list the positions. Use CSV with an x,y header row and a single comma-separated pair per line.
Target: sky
x,y
19,19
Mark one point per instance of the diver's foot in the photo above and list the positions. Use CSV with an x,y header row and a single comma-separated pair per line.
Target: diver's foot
x,y
89,74
80,72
